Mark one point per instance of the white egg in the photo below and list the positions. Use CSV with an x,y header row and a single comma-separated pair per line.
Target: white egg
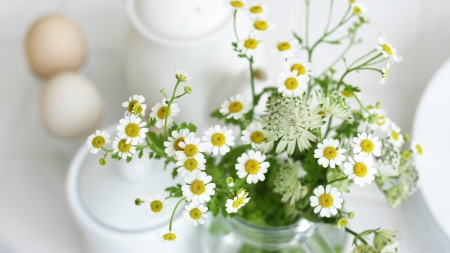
x,y
71,106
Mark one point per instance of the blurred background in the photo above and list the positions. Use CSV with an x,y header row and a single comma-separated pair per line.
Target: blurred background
x,y
119,61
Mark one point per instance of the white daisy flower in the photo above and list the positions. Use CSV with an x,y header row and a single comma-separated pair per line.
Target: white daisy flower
x,y
394,136
254,134
182,76
328,153
156,207
159,112
385,74
237,202
236,4
262,25
366,144
135,105
169,236
177,137
417,148
292,85
257,10
349,1
249,45
122,148
252,166
96,141
326,201
359,9
236,107
199,187
387,50
191,165
195,213
218,139
303,67
133,129
191,148
287,48
361,169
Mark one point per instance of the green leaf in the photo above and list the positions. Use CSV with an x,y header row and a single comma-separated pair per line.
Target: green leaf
x,y
141,153
129,158
300,40
342,185
192,128
116,156
174,172
352,88
175,191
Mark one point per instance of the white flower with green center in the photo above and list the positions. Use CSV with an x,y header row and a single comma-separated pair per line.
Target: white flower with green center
x,y
394,135
190,165
292,85
249,45
96,141
360,169
329,154
218,140
122,148
199,187
177,137
254,134
359,9
135,105
257,10
333,104
157,207
326,201
261,25
194,213
387,50
182,76
290,122
236,4
385,72
159,112
288,184
133,129
366,144
169,236
417,148
391,247
237,202
303,67
287,48
236,107
253,166
190,148
382,238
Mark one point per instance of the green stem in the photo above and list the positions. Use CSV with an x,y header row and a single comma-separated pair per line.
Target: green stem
x,y
360,104
328,127
307,25
337,180
329,16
252,80
107,150
374,69
168,108
362,57
225,188
234,25
173,213
356,235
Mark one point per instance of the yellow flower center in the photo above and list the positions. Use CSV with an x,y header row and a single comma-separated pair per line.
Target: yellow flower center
x,y
123,146
195,213
387,49
191,164
237,4
323,113
326,200
98,141
284,46
176,142
132,130
330,153
419,149
342,222
381,121
366,146
156,206
218,139
162,112
137,109
252,166
235,106
261,25
301,70
238,202
357,10
291,83
352,1
190,150
132,104
360,169
386,74
394,135
257,137
198,187
256,9
406,154
169,237
347,93
250,43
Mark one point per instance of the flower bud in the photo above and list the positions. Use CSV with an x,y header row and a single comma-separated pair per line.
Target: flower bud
x,y
407,137
102,161
229,180
163,91
188,89
351,215
373,119
378,105
138,201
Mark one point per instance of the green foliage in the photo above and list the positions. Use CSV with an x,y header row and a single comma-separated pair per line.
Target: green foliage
x,y
191,127
300,40
231,121
341,185
141,153
347,129
175,191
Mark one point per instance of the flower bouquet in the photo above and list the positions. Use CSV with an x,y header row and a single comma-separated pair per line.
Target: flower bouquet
x,y
297,158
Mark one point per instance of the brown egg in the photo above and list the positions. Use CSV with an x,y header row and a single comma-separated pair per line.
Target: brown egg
x,y
54,44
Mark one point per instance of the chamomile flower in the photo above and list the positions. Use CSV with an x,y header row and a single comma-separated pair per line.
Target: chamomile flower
x,y
182,76
366,144
333,104
156,207
387,50
287,48
218,140
133,129
199,187
303,67
326,201
194,213
236,107
257,10
359,9
252,166
96,141
349,1
122,148
385,74
190,148
394,135
254,134
169,236
249,45
329,154
191,165
262,25
237,202
177,137
159,112
292,85
417,148
135,105
360,169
